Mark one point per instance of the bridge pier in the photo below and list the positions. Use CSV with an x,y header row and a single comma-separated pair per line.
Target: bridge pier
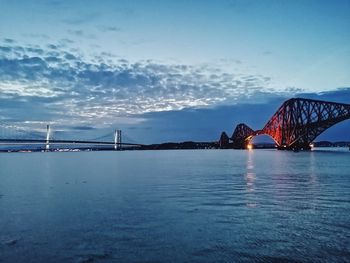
x,y
295,147
241,136
243,145
224,142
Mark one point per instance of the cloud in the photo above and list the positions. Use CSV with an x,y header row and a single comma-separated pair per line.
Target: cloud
x,y
83,128
341,95
37,36
5,49
109,28
120,87
52,84
81,19
9,41
267,53
206,124
66,41
81,34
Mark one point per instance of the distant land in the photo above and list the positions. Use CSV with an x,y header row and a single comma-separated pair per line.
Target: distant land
x,y
215,145
187,145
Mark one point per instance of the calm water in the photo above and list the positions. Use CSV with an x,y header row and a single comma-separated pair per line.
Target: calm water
x,y
175,206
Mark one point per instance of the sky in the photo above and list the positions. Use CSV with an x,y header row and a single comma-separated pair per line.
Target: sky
x,y
167,70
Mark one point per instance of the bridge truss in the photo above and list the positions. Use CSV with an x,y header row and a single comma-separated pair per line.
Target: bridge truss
x,y
295,124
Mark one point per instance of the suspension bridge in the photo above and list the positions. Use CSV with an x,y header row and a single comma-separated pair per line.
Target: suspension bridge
x,y
17,139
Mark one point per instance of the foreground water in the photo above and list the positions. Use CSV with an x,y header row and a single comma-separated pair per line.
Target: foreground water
x,y
175,206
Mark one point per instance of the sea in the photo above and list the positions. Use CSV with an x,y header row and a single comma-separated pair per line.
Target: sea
x,y
175,206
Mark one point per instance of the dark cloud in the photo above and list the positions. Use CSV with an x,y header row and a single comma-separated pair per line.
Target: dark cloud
x,y
38,36
76,32
83,128
125,11
206,124
34,50
5,49
66,41
341,95
266,53
81,33
51,46
109,28
52,59
9,40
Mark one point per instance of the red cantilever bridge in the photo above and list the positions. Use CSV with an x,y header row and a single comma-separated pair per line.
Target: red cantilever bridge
x,y
294,126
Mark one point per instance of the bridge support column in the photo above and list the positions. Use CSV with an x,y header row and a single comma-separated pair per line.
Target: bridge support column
x,y
295,147
117,139
224,142
240,144
47,146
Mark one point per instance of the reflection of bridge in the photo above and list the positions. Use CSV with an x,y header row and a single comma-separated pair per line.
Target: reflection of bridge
x,y
294,126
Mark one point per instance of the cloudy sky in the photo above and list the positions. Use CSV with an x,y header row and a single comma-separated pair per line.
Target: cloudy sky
x,y
167,70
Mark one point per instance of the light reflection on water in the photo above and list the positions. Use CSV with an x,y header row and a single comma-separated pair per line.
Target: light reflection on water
x,y
250,178
175,206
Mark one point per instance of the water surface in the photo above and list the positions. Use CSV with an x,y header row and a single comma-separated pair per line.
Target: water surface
x,y
175,206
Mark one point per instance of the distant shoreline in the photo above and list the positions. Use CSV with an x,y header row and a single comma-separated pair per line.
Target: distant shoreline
x,y
189,145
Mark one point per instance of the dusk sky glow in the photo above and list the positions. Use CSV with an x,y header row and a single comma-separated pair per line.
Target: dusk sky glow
x,y
168,70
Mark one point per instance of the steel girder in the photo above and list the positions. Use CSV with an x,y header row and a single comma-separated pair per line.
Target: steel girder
x,y
296,123
224,141
299,121
241,136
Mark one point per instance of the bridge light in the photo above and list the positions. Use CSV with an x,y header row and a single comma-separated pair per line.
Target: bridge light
x,y
249,146
312,145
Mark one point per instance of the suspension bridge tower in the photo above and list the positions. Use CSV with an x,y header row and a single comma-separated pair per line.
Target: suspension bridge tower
x,y
117,139
47,146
